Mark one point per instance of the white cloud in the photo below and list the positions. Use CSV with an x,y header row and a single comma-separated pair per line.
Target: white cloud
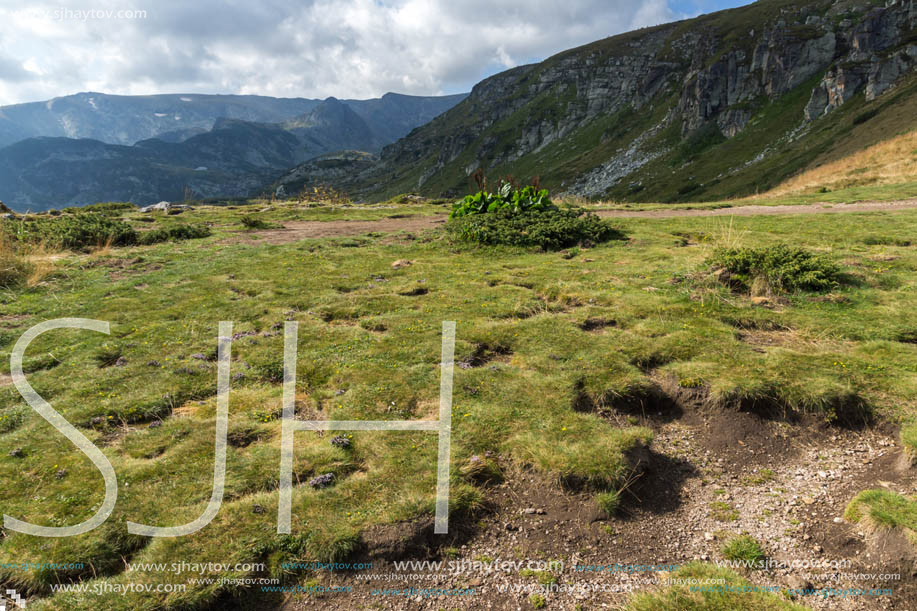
x,y
345,48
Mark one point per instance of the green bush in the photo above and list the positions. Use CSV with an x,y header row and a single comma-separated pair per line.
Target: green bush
x,y
526,199
173,234
76,232
109,208
883,240
253,222
781,266
548,229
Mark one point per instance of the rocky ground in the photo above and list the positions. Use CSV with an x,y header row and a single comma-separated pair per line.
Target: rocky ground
x,y
710,473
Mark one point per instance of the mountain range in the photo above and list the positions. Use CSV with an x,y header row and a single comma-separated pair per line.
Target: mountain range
x,y
93,147
719,106
722,105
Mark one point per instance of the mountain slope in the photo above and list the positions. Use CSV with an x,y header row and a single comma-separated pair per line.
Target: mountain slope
x,y
722,105
232,160
333,125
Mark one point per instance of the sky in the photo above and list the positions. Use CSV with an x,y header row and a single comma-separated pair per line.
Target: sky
x,y
298,48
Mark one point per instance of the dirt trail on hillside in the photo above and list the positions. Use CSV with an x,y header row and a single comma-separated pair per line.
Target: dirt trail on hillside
x,y
824,208
293,231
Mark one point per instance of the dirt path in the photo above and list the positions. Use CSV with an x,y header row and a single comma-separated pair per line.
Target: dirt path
x,y
825,208
293,231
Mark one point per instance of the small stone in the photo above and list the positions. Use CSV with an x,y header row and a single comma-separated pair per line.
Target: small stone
x,y
708,536
155,425
838,520
61,474
153,363
401,263
121,362
808,500
199,356
341,442
257,508
16,453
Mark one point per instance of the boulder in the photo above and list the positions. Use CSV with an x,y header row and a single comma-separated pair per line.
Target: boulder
x,y
166,207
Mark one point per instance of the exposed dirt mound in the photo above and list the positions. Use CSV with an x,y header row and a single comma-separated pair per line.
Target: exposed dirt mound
x,y
483,354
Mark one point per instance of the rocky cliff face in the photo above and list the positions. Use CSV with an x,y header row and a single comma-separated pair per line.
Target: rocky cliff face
x,y
590,119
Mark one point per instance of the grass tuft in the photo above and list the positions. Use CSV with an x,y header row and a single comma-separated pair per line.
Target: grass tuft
x,y
735,597
884,509
744,549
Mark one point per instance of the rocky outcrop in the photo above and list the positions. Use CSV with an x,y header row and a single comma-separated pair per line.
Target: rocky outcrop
x,y
877,55
323,170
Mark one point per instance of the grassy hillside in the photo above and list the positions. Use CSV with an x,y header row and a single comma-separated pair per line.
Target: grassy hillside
x,y
551,345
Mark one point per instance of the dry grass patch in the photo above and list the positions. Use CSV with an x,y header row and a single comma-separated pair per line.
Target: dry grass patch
x,y
888,162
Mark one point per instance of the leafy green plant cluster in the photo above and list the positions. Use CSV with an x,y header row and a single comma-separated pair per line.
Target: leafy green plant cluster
x,y
547,229
782,267
507,197
173,234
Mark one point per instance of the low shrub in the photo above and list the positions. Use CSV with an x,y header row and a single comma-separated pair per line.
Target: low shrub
x,y
781,267
173,234
253,222
108,208
547,229
76,232
92,230
884,240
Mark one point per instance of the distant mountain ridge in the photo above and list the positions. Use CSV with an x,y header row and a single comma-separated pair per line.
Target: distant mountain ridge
x,y
118,119
204,152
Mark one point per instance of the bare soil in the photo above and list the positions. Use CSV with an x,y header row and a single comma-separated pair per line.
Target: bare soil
x,y
293,231
711,472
